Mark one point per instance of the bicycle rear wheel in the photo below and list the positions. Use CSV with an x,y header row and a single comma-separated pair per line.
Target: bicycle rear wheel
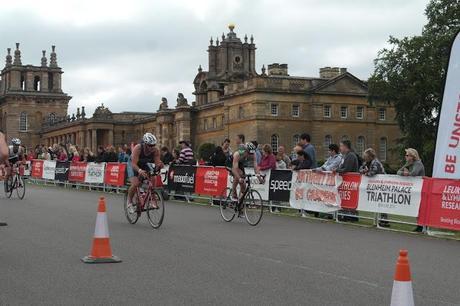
x,y
253,207
155,209
227,206
20,187
131,212
9,186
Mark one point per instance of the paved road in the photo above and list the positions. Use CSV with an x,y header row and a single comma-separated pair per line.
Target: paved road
x,y
196,258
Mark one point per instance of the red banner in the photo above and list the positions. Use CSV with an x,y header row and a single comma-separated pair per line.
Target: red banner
x,y
77,172
115,174
349,190
37,168
210,181
441,206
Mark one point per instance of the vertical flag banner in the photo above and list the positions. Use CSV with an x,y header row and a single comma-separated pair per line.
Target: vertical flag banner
x,y
447,155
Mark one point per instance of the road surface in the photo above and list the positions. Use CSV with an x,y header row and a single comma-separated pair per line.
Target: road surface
x,y
196,258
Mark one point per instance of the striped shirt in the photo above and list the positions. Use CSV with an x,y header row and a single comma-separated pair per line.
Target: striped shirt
x,y
186,155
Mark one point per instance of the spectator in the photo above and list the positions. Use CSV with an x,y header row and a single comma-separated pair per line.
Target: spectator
x,y
75,156
239,141
349,164
350,160
226,148
302,161
218,158
284,156
88,156
62,154
176,155
122,156
110,156
186,153
258,153
280,163
334,160
166,156
308,148
100,154
268,160
370,167
413,165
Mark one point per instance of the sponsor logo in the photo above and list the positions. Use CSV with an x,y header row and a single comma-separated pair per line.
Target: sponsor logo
x,y
276,185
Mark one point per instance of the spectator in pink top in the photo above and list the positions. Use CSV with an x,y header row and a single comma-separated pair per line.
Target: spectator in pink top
x,y
268,159
62,154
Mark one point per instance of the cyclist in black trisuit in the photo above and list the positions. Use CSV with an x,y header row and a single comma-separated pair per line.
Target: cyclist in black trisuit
x,y
240,158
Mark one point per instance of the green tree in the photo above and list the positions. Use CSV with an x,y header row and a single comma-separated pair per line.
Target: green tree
x,y
206,150
410,74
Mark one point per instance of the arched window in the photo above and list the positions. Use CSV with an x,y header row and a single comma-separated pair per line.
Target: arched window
x,y
360,144
327,143
240,112
295,139
274,142
23,122
23,82
383,149
37,83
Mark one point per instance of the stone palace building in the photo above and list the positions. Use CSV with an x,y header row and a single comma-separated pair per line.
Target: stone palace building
x,y
231,97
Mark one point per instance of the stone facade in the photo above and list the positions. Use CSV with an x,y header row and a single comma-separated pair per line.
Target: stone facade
x,y
231,98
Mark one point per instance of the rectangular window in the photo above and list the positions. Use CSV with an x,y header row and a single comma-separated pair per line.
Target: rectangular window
x,y
360,112
205,124
295,110
327,111
343,112
382,114
274,109
214,123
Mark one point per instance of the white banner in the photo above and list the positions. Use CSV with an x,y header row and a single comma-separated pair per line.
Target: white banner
x,y
27,168
49,168
95,173
262,188
447,156
391,194
315,191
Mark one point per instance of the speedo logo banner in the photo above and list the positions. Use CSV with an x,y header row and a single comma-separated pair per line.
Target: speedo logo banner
x,y
280,185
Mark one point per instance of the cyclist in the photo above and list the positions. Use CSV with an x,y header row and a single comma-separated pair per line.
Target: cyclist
x,y
241,158
16,155
143,153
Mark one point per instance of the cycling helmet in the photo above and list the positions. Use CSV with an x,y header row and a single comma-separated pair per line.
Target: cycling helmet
x,y
149,139
16,141
250,147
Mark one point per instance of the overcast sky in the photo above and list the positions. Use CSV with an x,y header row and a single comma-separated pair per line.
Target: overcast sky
x,y
129,54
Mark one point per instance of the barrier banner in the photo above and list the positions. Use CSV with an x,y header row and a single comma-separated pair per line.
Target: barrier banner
x,y
164,175
25,169
37,168
61,172
211,181
115,174
77,171
443,205
349,190
49,168
391,194
181,178
94,173
315,191
280,185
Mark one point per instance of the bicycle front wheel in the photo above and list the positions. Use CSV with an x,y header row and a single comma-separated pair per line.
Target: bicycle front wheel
x,y
253,207
20,187
130,209
155,209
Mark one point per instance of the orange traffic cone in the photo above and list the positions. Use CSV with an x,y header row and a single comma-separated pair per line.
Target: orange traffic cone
x,y
101,252
402,294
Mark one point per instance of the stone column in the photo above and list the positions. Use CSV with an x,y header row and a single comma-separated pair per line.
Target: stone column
x,y
110,133
88,139
94,140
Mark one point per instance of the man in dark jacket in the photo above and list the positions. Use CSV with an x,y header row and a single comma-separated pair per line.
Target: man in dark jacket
x,y
350,159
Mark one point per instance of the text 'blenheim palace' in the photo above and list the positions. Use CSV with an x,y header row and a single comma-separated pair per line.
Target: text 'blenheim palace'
x,y
230,98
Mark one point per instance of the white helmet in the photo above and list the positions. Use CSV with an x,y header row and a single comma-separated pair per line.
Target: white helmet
x,y
16,141
250,147
149,139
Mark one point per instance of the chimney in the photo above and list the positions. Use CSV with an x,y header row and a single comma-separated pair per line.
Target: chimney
x,y
331,72
278,69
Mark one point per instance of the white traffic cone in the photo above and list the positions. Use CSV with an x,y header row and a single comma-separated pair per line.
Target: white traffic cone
x,y
402,294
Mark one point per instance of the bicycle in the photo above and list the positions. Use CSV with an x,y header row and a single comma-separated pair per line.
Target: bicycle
x,y
147,198
250,204
15,182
